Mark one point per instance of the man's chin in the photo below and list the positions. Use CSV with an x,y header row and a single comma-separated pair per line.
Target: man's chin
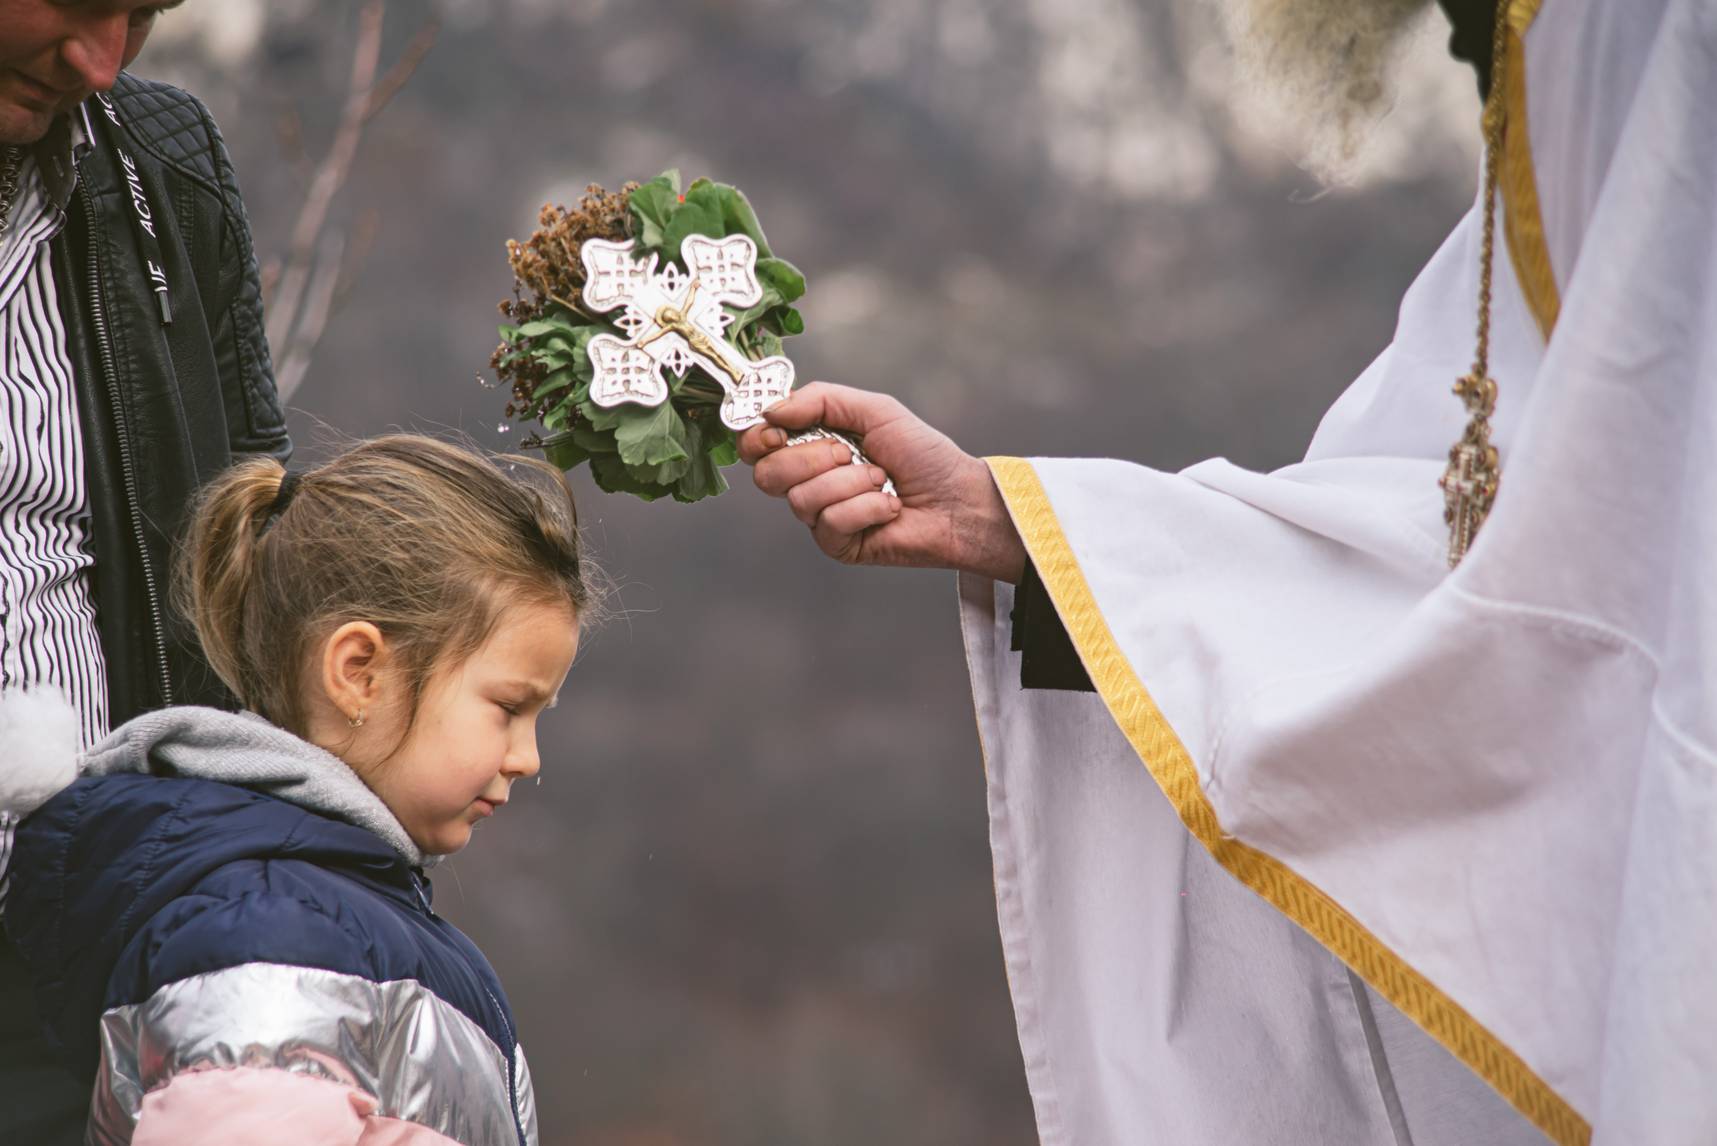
x,y
23,125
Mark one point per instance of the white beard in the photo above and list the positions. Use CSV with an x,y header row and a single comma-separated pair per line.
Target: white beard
x,y
1325,68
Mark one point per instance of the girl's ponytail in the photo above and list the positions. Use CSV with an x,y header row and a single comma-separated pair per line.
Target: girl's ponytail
x,y
220,565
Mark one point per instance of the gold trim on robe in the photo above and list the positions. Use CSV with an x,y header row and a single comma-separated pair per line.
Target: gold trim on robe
x,y
1169,764
1523,219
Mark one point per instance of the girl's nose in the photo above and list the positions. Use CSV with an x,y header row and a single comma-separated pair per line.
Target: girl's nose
x,y
523,761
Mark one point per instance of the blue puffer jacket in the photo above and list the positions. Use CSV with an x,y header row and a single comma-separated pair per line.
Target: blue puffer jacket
x,y
229,928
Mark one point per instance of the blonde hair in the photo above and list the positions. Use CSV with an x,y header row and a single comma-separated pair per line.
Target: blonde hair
x,y
427,541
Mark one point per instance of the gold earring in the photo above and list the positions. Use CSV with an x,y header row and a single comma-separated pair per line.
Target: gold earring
x,y
356,721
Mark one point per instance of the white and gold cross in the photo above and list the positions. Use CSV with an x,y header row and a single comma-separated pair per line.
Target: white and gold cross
x,y
675,320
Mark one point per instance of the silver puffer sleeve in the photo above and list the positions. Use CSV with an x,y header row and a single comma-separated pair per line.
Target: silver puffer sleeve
x,y
422,1060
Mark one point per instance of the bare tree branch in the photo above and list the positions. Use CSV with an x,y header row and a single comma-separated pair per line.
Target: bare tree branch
x,y
300,290
289,130
318,305
404,67
330,174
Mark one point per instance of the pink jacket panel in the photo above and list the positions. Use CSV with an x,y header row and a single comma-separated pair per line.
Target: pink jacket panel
x,y
264,1107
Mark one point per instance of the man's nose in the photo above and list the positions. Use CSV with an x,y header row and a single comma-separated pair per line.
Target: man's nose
x,y
96,51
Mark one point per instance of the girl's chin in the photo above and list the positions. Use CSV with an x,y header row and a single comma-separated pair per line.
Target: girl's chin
x,y
446,840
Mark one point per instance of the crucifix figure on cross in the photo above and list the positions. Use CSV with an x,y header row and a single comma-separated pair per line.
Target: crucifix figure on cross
x,y
675,320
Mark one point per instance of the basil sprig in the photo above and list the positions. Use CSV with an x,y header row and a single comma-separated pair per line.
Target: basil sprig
x,y
679,447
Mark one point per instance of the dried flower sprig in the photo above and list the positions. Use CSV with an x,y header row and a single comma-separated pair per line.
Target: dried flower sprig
x,y
677,448
547,270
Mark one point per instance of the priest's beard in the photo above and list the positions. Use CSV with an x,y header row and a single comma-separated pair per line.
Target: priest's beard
x,y
1322,66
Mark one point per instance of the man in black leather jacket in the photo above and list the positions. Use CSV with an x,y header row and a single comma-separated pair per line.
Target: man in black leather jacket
x,y
171,384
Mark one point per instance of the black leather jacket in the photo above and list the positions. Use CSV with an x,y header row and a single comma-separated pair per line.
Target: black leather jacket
x,y
164,407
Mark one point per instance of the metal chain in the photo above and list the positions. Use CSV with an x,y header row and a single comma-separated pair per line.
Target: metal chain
x,y
1474,473
11,163
1494,118
824,434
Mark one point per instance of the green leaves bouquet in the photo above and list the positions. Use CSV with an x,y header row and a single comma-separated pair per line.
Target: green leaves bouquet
x,y
644,330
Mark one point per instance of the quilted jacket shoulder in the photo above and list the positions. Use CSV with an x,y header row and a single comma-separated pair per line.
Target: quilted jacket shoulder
x,y
171,123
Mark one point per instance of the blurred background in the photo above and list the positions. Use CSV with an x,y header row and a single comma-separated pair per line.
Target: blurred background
x,y
751,901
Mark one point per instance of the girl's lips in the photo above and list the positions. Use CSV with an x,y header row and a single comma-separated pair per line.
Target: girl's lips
x,y
486,807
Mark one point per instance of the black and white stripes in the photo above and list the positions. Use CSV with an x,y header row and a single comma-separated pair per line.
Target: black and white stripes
x,y
8,840
47,614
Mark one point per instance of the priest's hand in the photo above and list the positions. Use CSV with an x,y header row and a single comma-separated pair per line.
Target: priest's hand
x,y
948,515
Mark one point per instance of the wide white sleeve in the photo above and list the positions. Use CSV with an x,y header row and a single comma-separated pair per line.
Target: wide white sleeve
x,y
1158,1000
1490,793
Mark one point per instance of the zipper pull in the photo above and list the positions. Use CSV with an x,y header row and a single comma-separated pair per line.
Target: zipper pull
x,y
422,894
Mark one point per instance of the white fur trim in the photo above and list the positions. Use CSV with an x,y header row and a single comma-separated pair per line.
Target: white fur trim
x,y
38,748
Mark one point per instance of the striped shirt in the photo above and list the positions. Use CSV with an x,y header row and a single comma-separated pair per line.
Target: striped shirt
x,y
47,612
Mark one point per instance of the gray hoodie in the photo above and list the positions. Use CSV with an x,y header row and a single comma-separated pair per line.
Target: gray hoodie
x,y
38,742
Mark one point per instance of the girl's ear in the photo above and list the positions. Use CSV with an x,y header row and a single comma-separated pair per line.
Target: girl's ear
x,y
352,660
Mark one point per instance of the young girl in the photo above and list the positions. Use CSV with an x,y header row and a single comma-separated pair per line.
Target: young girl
x,y
226,915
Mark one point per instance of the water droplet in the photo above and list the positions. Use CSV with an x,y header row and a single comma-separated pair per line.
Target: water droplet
x,y
503,428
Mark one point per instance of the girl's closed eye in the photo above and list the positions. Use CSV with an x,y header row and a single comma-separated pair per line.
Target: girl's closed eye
x,y
522,706
523,698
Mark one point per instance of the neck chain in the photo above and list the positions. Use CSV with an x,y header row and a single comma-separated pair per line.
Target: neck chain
x,y
1475,470
11,163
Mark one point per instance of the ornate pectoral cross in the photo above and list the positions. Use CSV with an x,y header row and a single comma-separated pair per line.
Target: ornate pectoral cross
x,y
675,320
1475,471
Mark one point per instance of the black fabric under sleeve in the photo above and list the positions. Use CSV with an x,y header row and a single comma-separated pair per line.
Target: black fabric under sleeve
x,y
1047,656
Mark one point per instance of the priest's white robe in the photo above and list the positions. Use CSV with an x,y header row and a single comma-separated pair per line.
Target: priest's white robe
x,y
1344,833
